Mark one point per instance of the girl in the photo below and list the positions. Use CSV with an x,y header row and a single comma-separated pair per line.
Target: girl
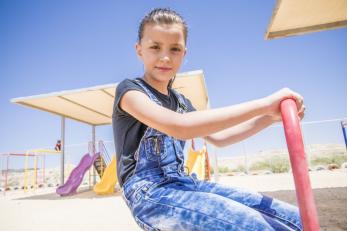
x,y
151,122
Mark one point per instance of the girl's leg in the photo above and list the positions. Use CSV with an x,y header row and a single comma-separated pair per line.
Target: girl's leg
x,y
272,208
172,207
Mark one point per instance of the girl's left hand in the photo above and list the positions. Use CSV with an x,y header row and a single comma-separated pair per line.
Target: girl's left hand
x,y
278,117
274,100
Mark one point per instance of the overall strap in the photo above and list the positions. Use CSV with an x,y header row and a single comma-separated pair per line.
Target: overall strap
x,y
181,106
149,93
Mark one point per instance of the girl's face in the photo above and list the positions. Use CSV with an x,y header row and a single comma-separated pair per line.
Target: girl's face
x,y
161,49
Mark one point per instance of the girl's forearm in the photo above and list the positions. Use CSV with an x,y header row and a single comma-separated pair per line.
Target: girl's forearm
x,y
203,123
240,132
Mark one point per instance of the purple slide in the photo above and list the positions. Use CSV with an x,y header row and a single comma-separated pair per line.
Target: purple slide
x,y
76,176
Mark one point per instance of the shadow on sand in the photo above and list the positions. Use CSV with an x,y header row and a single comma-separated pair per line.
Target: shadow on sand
x,y
81,194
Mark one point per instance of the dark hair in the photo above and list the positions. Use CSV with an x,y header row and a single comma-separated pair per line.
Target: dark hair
x,y
162,16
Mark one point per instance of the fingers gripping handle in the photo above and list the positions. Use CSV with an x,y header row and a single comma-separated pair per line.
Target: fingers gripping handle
x,y
298,162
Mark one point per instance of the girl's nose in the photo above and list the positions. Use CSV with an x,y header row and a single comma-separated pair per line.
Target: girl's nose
x,y
165,58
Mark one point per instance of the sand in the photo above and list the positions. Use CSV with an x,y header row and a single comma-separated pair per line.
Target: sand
x,y
44,210
331,205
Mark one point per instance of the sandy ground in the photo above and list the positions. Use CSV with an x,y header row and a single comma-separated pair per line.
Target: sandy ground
x,y
331,205
44,210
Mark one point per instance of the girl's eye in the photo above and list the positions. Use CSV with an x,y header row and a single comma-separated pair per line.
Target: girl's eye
x,y
176,49
155,47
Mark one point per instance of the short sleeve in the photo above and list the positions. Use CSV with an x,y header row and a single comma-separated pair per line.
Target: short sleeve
x,y
189,105
123,87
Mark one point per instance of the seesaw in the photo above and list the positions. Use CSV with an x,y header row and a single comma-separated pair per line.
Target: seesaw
x,y
304,195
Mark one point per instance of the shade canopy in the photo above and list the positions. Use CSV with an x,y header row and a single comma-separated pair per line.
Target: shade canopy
x,y
294,17
94,105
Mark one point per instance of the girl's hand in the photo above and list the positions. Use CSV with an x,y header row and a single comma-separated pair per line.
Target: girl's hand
x,y
273,103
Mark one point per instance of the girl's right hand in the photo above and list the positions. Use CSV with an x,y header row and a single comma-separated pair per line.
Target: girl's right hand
x,y
273,101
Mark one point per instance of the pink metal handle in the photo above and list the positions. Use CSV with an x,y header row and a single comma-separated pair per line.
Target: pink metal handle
x,y
298,162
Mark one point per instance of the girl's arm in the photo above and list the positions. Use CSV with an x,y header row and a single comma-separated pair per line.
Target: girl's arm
x,y
239,132
246,129
199,123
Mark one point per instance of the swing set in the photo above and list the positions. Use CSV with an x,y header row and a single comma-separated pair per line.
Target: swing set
x,y
29,180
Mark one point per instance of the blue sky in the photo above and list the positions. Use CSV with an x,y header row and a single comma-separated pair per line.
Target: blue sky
x,y
48,46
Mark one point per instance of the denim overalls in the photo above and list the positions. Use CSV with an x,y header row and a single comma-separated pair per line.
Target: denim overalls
x,y
161,196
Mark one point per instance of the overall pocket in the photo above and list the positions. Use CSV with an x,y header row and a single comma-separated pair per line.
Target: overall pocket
x,y
154,148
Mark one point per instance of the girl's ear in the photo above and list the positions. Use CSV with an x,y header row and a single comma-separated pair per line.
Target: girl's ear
x,y
185,51
138,49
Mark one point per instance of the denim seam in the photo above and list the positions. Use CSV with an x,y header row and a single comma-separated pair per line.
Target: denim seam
x,y
283,218
149,192
146,226
136,190
193,211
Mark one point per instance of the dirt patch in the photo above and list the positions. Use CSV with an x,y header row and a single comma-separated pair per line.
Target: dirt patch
x,y
331,204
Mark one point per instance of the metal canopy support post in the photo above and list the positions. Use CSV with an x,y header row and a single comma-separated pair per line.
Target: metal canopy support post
x,y
62,160
6,176
215,164
94,151
343,124
215,157
245,156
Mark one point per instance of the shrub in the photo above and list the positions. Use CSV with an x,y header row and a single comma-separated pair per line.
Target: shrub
x,y
275,164
223,169
240,168
331,159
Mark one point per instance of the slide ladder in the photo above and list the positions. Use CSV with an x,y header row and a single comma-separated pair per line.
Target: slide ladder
x,y
108,175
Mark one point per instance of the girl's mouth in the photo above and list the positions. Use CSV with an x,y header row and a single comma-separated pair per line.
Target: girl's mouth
x,y
164,68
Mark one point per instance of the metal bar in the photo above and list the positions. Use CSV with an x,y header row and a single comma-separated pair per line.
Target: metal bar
x,y
104,152
12,154
7,164
344,133
245,156
215,164
35,171
298,162
2,172
94,151
62,160
44,169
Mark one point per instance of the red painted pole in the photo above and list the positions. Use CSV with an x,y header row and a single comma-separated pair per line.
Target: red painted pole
x,y
298,162
7,164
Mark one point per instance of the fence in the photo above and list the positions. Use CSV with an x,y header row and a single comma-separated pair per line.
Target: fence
x,y
324,143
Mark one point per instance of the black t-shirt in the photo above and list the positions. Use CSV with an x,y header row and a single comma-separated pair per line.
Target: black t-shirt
x,y
128,131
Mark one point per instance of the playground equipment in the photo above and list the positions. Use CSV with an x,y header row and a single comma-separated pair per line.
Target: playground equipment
x,y
298,162
108,180
93,105
36,153
76,176
32,181
103,160
343,126
198,162
108,176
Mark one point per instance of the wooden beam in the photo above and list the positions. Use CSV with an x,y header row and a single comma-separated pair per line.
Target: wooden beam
x,y
305,30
